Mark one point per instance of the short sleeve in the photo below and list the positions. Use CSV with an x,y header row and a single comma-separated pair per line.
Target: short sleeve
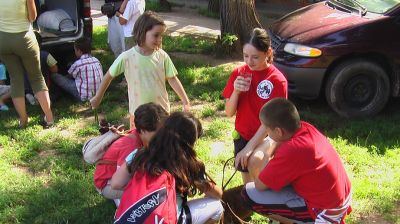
x,y
170,70
51,61
228,90
282,82
118,66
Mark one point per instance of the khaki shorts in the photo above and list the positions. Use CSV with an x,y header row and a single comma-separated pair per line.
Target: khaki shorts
x,y
4,89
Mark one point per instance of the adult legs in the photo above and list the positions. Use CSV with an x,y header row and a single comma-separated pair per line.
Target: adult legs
x,y
19,55
14,66
30,56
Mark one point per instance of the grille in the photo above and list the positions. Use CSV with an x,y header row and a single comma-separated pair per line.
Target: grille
x,y
275,40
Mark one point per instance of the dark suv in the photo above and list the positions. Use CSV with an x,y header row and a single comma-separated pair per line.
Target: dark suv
x,y
60,43
347,49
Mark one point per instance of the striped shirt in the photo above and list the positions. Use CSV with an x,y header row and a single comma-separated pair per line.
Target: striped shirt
x,y
88,73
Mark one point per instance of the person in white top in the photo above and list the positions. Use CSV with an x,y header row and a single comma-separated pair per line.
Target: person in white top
x,y
128,13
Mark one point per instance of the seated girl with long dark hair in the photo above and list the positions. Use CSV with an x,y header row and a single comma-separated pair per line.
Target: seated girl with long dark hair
x,y
172,150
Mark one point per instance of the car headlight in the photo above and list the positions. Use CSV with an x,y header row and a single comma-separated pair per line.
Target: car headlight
x,y
301,50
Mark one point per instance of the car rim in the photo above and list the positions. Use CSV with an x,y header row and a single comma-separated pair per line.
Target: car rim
x,y
359,91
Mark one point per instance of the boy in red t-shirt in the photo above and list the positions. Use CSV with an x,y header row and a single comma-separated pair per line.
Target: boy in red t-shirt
x,y
249,87
148,117
304,180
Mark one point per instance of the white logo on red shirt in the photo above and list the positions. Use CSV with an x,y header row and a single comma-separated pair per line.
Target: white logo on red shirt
x,y
264,89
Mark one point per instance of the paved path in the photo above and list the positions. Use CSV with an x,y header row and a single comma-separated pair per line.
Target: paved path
x,y
187,20
179,22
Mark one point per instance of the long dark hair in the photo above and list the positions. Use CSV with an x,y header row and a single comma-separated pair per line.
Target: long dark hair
x,y
172,149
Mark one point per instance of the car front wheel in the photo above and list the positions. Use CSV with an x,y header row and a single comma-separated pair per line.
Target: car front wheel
x,y
357,88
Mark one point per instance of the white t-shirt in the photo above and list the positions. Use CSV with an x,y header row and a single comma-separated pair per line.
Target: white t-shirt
x,y
134,8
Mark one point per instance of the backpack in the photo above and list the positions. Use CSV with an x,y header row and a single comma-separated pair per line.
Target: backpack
x,y
94,148
148,199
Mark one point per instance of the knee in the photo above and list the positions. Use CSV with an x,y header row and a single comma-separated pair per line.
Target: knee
x,y
256,159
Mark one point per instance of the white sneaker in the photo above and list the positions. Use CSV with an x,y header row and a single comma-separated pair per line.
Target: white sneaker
x,y
31,99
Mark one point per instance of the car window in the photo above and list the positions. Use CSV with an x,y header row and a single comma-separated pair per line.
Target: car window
x,y
374,6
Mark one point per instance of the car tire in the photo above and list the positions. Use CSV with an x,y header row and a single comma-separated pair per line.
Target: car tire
x,y
357,88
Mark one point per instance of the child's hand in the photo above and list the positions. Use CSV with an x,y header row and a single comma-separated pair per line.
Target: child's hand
x,y
187,107
95,102
241,84
242,157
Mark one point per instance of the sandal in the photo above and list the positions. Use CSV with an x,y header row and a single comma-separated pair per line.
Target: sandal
x,y
45,123
22,125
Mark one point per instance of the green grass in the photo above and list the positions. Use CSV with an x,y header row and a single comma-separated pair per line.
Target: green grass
x,y
187,44
44,179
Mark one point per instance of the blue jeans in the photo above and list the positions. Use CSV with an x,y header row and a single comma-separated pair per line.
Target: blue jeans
x,y
67,84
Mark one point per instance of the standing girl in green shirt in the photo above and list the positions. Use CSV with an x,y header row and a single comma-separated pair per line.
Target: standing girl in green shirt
x,y
146,67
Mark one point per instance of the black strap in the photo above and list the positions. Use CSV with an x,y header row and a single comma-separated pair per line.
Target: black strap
x,y
185,211
223,174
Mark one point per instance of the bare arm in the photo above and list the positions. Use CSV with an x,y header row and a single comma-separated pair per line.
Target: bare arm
x,y
180,91
96,100
120,12
120,178
231,103
32,13
240,85
214,191
123,6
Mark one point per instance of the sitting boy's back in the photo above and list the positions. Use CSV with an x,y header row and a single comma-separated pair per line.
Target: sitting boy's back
x,y
86,72
304,168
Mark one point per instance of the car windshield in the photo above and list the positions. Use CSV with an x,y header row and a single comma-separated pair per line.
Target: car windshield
x,y
375,6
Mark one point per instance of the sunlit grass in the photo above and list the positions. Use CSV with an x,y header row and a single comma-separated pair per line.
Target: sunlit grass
x,y
44,179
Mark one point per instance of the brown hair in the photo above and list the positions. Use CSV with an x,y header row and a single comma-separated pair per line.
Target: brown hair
x,y
260,39
172,149
149,116
281,113
145,23
83,44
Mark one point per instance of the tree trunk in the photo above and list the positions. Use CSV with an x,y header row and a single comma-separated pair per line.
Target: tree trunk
x,y
238,17
213,6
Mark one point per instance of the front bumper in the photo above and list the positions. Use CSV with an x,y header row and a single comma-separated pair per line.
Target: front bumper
x,y
303,82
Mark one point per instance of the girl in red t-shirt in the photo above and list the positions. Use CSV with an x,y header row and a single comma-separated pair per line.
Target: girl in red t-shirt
x,y
249,87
